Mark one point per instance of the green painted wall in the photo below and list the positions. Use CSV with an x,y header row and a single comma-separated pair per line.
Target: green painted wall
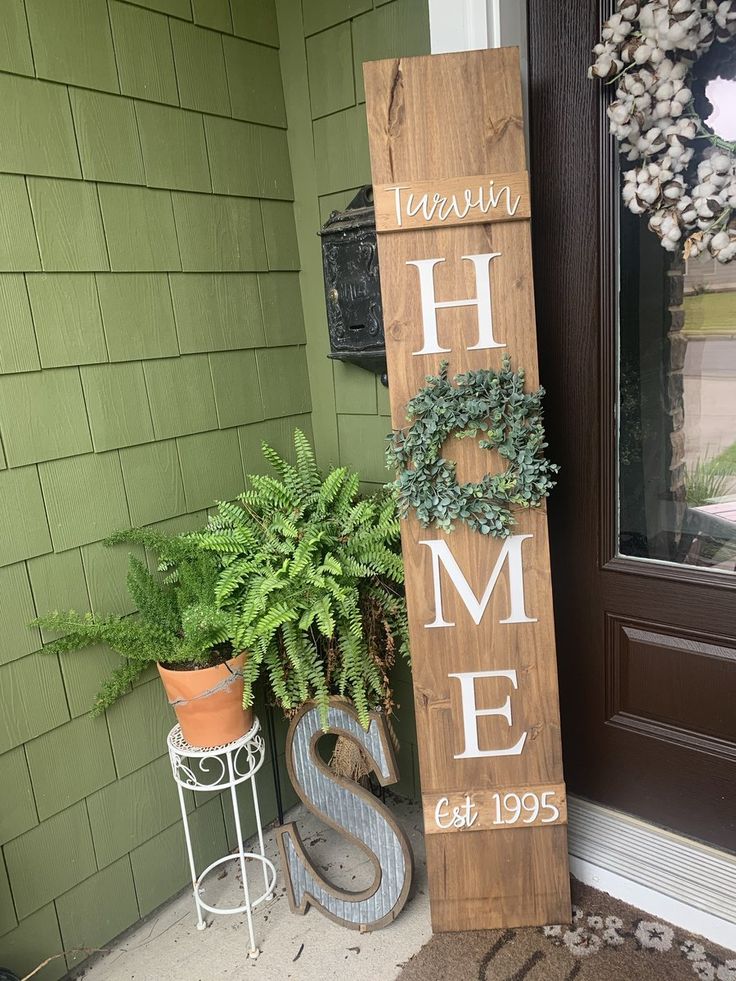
x,y
323,44
151,334
154,327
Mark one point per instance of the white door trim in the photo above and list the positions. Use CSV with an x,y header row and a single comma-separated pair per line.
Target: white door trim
x,y
673,878
462,25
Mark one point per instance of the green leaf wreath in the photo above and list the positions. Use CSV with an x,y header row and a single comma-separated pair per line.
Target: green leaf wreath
x,y
495,405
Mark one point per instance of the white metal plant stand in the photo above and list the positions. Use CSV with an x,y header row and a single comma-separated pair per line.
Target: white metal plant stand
x,y
223,768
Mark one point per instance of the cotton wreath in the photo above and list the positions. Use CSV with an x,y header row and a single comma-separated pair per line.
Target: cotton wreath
x,y
494,405
648,50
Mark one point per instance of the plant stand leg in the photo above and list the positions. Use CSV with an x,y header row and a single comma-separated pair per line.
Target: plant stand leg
x,y
253,952
257,811
201,925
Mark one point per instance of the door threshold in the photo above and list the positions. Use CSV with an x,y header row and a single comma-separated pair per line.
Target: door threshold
x,y
674,878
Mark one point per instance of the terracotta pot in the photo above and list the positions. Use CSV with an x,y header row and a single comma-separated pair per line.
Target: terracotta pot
x,y
209,702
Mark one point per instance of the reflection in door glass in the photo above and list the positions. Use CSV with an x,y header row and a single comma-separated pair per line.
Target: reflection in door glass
x,y
677,404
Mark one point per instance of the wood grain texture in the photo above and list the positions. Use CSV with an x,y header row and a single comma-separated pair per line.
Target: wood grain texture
x,y
200,68
19,813
472,200
45,415
144,57
16,611
49,859
118,821
24,530
94,478
432,117
18,349
68,225
33,700
66,316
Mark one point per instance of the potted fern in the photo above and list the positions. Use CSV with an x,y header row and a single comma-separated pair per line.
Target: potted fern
x,y
312,580
180,628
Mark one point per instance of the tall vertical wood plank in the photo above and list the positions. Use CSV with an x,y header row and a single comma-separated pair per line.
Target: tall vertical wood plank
x,y
432,119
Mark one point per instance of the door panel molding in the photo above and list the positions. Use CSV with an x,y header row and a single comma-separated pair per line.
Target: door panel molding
x,y
653,568
692,705
695,687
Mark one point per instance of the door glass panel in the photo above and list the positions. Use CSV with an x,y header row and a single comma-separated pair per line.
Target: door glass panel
x,y
677,404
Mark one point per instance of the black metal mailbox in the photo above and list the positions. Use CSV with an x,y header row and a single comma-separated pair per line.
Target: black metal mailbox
x,y
352,285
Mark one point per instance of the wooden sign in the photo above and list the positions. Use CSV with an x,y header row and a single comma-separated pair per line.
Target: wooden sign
x,y
456,277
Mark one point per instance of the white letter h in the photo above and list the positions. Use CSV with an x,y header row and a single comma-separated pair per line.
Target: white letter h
x,y
482,300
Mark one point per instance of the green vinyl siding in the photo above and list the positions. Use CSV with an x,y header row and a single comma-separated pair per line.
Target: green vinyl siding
x,y
323,45
148,262
163,172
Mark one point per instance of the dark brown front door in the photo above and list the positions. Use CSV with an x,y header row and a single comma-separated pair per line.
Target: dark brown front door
x,y
638,354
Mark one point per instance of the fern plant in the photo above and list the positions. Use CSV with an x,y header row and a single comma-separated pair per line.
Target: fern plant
x,y
178,622
311,577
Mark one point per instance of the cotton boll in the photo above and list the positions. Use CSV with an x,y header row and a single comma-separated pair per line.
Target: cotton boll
x,y
682,129
616,29
720,240
643,53
723,245
648,48
696,244
619,113
720,162
649,193
725,14
628,193
674,190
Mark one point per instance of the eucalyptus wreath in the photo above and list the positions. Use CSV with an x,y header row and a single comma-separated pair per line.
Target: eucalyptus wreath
x,y
495,405
658,54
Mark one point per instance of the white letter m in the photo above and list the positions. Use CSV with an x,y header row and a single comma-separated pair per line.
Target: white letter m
x,y
441,555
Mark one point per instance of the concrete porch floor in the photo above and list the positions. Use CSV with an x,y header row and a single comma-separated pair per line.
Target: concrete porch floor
x,y
168,947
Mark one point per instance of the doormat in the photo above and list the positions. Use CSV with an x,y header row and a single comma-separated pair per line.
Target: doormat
x,y
607,941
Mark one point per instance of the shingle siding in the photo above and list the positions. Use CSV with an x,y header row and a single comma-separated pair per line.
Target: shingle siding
x,y
136,312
